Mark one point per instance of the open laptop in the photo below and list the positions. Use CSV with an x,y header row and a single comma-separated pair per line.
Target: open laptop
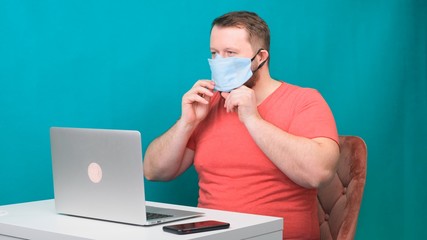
x,y
98,173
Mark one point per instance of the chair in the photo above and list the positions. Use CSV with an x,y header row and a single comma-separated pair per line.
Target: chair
x,y
339,201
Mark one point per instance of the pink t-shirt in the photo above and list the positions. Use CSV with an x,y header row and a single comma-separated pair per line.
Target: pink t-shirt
x,y
235,175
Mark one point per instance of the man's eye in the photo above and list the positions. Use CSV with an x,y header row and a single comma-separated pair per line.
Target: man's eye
x,y
230,53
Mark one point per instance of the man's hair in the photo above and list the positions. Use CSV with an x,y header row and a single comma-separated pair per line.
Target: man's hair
x,y
257,28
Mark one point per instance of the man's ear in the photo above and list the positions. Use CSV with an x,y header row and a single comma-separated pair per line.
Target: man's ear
x,y
264,54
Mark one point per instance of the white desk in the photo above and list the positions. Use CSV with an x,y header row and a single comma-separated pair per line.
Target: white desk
x,y
38,221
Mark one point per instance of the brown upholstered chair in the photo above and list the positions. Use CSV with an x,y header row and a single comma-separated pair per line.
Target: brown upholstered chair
x,y
339,201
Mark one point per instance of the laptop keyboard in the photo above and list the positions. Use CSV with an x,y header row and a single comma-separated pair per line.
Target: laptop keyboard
x,y
151,215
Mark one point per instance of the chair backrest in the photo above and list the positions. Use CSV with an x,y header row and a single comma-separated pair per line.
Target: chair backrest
x,y
339,201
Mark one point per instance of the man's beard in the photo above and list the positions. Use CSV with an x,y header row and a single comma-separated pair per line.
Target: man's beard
x,y
252,80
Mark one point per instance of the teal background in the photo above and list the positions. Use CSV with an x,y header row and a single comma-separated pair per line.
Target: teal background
x,y
126,64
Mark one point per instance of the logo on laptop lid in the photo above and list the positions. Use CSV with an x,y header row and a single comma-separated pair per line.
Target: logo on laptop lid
x,y
94,171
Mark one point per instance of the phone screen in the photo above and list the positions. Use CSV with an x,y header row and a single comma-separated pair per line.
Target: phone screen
x,y
194,227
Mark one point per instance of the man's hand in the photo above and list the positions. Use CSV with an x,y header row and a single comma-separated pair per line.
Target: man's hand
x,y
195,103
243,101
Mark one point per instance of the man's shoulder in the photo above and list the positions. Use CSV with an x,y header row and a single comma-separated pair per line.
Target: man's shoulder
x,y
299,91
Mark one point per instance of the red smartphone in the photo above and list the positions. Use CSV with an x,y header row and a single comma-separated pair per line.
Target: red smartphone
x,y
195,227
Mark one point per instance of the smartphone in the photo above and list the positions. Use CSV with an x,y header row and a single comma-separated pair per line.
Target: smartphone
x,y
195,227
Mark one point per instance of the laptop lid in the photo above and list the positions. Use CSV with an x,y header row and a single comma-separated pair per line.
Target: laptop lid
x,y
98,173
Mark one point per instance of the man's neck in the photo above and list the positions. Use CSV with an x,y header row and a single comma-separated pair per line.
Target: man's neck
x,y
265,86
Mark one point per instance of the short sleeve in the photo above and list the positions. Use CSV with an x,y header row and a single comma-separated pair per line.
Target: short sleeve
x,y
312,117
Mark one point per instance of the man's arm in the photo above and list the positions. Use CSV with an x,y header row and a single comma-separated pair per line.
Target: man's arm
x,y
307,162
168,156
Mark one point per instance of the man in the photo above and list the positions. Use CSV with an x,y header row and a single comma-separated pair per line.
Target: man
x,y
259,145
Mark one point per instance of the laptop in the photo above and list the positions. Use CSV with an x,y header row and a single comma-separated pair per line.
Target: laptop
x,y
98,173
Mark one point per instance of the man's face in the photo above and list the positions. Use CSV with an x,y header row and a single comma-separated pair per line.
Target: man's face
x,y
230,42
233,42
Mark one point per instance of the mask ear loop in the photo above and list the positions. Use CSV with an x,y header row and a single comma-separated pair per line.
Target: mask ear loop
x,y
262,64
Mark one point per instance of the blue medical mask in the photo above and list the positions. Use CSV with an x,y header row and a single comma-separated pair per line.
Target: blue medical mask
x,y
231,72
